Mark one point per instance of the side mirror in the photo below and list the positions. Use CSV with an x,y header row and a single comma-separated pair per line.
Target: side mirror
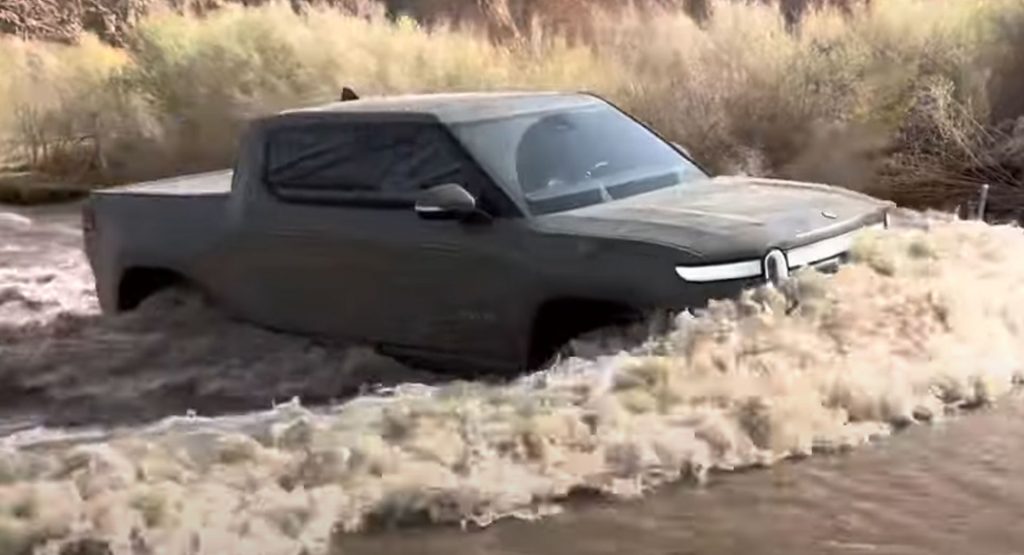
x,y
446,202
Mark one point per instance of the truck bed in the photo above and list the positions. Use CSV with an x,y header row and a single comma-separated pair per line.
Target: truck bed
x,y
201,184
171,224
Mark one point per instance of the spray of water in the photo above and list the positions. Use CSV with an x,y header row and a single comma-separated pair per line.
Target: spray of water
x,y
923,322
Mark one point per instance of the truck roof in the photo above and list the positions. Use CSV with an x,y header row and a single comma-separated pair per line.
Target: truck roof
x,y
446,107
454,107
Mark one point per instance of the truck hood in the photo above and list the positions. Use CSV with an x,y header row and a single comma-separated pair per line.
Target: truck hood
x,y
725,218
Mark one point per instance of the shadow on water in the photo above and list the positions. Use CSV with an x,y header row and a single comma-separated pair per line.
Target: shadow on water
x,y
173,356
64,364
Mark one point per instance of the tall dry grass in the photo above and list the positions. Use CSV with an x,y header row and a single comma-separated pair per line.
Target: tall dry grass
x,y
175,99
836,101
908,99
48,96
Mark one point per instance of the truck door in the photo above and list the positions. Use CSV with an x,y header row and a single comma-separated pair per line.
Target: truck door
x,y
353,260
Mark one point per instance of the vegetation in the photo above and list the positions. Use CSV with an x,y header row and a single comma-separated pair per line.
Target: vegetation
x,y
915,100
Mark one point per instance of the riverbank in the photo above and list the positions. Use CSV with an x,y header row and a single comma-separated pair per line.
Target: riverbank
x,y
30,189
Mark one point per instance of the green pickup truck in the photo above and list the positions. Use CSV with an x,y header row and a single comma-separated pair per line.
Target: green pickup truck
x,y
474,231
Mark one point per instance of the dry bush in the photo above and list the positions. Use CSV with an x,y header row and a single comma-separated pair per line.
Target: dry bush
x,y
899,98
946,154
189,84
966,130
53,97
827,103
202,79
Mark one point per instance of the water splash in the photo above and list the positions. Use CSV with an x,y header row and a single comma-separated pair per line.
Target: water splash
x,y
924,322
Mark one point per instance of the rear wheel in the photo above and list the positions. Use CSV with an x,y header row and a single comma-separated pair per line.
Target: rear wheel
x,y
154,291
139,284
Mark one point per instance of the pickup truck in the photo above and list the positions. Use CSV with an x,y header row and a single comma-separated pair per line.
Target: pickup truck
x,y
473,231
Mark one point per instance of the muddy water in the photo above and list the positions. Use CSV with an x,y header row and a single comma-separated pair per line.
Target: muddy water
x,y
63,364
764,426
949,489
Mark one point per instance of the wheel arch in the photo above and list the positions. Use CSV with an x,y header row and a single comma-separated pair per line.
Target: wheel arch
x,y
557,320
138,283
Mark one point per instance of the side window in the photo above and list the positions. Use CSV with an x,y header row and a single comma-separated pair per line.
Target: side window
x,y
319,157
379,164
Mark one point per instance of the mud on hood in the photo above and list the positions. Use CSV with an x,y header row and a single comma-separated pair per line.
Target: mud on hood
x,y
725,218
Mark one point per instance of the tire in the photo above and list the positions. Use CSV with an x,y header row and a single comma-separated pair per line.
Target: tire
x,y
610,340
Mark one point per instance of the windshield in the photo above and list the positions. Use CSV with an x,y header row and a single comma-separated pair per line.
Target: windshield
x,y
557,161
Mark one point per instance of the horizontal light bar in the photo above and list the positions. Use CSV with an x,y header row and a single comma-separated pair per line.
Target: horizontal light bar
x,y
800,256
720,272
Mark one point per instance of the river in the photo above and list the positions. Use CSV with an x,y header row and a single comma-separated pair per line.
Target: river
x,y
874,411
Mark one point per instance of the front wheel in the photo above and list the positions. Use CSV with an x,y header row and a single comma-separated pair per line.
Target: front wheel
x,y
612,339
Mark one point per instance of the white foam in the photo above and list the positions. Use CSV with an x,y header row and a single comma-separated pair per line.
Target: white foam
x,y
923,322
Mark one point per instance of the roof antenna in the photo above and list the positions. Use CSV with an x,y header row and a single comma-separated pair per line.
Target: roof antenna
x,y
348,94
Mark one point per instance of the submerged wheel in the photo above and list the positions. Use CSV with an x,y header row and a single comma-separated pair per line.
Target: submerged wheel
x,y
611,339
